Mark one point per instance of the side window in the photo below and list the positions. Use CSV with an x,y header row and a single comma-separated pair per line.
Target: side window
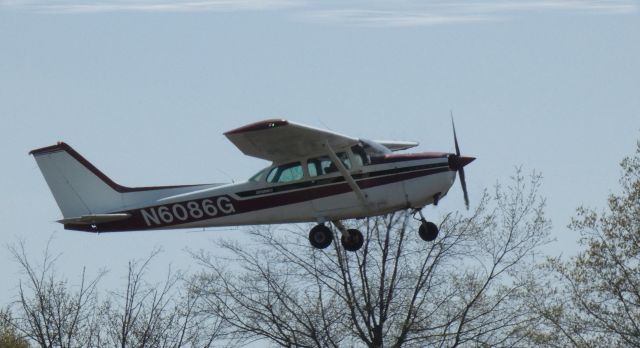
x,y
324,165
286,173
344,158
359,155
320,166
314,167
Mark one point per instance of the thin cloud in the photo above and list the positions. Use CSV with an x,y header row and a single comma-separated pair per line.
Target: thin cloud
x,y
384,13
391,18
89,6
584,6
414,13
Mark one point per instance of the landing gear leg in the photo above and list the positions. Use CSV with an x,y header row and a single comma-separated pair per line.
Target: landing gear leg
x,y
320,236
428,231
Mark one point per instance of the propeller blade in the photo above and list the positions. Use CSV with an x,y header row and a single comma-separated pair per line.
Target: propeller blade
x,y
455,137
463,182
460,162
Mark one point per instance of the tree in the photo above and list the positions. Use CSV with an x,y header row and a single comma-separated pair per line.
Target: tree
x,y
9,338
50,312
155,315
593,299
464,288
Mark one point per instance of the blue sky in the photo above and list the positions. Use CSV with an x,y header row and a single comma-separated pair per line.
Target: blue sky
x,y
145,89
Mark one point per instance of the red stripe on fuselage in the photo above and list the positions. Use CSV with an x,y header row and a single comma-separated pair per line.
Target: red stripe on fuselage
x,y
137,222
402,157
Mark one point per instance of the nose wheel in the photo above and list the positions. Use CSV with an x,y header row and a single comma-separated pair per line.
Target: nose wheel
x,y
428,231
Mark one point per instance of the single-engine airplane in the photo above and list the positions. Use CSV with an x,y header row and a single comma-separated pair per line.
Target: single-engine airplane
x,y
316,175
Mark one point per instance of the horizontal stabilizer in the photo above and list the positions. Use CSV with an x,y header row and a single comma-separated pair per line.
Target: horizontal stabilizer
x,y
395,145
95,219
86,195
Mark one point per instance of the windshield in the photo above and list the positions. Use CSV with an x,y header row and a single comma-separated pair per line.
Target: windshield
x,y
285,173
373,148
259,175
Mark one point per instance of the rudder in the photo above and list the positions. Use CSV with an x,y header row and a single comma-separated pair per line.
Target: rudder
x,y
78,187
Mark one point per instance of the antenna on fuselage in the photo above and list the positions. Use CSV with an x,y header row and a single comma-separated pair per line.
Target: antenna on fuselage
x,y
225,174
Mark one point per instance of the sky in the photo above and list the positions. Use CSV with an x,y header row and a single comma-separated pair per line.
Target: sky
x,y
145,89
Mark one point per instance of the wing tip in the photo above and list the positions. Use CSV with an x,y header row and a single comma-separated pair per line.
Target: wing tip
x,y
260,125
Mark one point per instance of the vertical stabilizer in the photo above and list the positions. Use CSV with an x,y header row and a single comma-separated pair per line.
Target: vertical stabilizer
x,y
78,187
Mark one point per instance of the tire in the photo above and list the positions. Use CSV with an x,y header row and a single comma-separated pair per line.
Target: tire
x,y
352,240
320,236
428,231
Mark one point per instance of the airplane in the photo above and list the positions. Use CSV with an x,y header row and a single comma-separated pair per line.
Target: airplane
x,y
315,175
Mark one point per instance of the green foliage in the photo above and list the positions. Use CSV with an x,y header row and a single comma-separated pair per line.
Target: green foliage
x,y
595,298
9,338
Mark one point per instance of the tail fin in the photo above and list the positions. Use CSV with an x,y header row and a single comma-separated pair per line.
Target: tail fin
x,y
78,187
85,195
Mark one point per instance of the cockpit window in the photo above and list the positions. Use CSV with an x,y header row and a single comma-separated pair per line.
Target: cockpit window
x,y
259,176
286,173
324,165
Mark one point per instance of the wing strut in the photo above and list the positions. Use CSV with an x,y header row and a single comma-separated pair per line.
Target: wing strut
x,y
362,197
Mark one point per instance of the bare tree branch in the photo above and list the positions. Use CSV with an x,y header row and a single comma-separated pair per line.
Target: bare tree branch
x,y
467,287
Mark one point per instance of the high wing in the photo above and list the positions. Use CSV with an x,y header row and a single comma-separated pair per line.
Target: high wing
x,y
281,141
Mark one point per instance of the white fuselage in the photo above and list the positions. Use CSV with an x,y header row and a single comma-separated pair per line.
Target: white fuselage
x,y
389,184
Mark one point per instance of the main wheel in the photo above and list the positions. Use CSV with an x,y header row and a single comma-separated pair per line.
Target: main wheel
x,y
320,236
428,231
352,240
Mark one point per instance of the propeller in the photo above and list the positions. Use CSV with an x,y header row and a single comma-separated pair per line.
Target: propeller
x,y
457,162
